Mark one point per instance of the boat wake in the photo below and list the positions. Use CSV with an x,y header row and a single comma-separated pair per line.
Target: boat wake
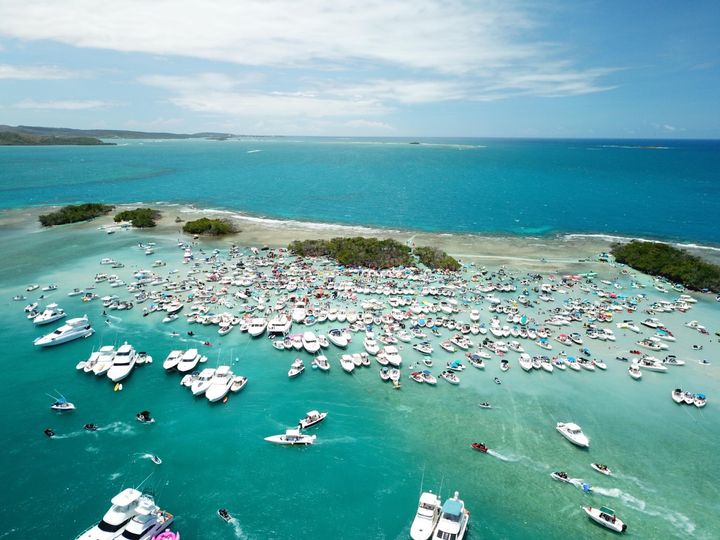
x,y
237,529
676,519
118,428
340,440
502,457
141,455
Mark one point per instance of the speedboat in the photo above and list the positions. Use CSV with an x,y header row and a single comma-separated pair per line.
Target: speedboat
x,y
123,509
297,367
52,313
338,338
189,360
321,362
148,521
677,396
200,384
123,363
480,447
605,517
426,518
72,329
423,348
292,437
453,520
635,372
61,404
392,355
450,377
700,401
573,433
485,405
371,346
257,326
525,361
346,362
310,342
312,418
220,384
602,469
172,359
560,476
279,325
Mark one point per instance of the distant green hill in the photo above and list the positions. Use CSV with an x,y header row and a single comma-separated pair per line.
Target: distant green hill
x,y
107,133
9,138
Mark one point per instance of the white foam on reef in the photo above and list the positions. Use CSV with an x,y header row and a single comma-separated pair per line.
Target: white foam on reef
x,y
616,238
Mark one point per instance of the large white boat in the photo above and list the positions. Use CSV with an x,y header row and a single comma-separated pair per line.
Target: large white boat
x,y
605,517
453,520
123,509
371,346
172,359
202,383
310,342
525,361
51,313
220,384
150,520
426,518
573,433
338,338
299,312
257,326
190,359
279,325
292,437
392,355
72,329
103,361
123,362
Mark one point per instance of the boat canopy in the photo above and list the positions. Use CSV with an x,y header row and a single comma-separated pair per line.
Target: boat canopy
x,y
452,509
608,511
126,497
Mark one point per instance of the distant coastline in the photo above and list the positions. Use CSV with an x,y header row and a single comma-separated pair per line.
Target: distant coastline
x,y
12,138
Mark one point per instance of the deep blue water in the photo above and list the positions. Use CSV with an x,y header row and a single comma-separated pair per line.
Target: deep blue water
x,y
524,187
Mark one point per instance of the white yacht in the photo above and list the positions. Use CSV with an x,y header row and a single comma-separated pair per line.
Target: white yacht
x,y
190,359
172,359
52,313
202,382
338,338
371,346
123,509
279,325
299,312
573,433
426,518
310,342
123,362
72,329
257,326
292,437
392,355
312,418
149,521
220,384
453,520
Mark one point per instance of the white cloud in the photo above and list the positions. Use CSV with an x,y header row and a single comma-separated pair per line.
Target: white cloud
x,y
31,73
369,124
69,105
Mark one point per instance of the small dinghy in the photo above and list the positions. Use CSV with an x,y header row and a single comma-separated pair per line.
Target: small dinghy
x,y
485,405
480,447
156,460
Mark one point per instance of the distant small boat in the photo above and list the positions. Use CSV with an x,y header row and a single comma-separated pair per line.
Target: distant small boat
x,y
480,447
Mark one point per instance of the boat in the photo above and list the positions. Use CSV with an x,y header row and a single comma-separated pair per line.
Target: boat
x,y
417,377
606,517
61,404
338,338
423,348
172,359
149,520
238,383
297,367
677,396
292,437
450,377
279,325
560,476
635,372
453,521
700,401
123,362
480,447
392,355
504,365
346,362
573,433
156,459
72,329
525,361
311,418
310,342
485,405
426,517
220,384
602,469
103,361
144,417
123,509
224,515
189,360
428,377
257,326
51,313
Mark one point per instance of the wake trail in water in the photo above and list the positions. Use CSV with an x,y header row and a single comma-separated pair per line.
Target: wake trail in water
x,y
118,428
237,529
503,457
676,519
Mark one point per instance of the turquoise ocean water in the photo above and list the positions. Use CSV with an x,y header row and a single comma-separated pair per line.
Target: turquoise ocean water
x,y
378,445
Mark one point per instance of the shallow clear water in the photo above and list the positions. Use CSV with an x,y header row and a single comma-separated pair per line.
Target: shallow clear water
x,y
362,478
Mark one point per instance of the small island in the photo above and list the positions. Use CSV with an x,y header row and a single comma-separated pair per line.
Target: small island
x,y
658,259
211,227
74,213
140,218
13,138
436,259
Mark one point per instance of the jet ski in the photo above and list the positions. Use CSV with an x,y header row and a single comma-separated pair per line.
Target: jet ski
x,y
602,469
144,417
49,432
90,427
480,447
497,381
224,515
560,476
156,460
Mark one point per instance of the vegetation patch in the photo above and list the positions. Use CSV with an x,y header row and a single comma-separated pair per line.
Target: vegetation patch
x,y
74,213
212,227
436,259
140,217
669,262
357,251
12,138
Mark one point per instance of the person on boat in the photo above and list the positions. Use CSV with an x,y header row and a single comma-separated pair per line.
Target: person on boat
x,y
224,514
90,427
49,432
601,467
143,416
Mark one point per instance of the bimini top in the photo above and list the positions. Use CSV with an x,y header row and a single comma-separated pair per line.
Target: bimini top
x,y
126,497
452,507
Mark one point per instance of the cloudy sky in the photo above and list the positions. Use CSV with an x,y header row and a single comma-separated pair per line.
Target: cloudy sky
x,y
577,68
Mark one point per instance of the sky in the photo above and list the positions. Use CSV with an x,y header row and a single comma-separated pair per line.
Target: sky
x,y
446,68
